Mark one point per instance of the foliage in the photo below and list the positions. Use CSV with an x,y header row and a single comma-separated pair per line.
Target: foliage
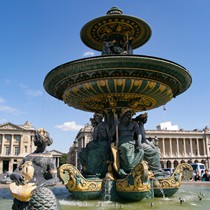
x,y
63,159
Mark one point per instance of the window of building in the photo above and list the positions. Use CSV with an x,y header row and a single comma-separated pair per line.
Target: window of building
x,y
7,152
16,152
17,137
32,138
8,137
26,149
1,137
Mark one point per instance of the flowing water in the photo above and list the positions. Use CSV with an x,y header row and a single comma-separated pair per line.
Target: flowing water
x,y
191,196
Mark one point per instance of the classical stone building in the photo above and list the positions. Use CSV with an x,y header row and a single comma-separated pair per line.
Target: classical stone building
x,y
56,155
83,137
16,141
182,146
176,146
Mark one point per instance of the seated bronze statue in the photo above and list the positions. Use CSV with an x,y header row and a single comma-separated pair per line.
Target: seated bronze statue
x,y
95,155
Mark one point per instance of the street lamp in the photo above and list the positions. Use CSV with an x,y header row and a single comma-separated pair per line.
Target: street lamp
x,y
75,149
156,141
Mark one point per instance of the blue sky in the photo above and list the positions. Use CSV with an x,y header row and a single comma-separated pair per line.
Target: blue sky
x,y
36,36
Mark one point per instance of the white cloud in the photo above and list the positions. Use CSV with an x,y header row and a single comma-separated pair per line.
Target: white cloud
x,y
7,109
88,54
30,92
69,126
34,93
2,100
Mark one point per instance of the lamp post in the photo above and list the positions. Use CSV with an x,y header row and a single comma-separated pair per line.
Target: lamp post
x,y
156,141
75,149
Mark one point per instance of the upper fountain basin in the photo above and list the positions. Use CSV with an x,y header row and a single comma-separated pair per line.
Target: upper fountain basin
x,y
117,81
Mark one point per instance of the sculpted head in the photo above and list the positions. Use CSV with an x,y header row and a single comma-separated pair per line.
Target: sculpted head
x,y
43,136
142,118
98,117
126,115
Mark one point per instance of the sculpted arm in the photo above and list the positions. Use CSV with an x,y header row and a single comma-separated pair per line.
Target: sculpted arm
x,y
16,176
51,174
139,136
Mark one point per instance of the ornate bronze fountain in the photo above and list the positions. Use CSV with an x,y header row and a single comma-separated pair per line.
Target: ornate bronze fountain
x,y
114,81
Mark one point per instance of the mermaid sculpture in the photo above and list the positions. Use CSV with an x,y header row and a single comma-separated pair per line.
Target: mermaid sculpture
x,y
36,172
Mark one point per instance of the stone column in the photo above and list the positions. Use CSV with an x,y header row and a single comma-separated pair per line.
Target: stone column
x,y
206,141
204,148
198,149
2,145
184,147
1,166
170,141
11,161
177,146
21,145
191,148
84,141
58,161
11,145
164,152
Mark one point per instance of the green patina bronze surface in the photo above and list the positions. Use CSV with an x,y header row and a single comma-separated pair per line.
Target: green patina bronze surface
x,y
110,85
138,82
134,81
114,24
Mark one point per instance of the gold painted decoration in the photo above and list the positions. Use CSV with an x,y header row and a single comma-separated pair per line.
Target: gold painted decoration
x,y
175,180
134,93
74,181
85,84
136,181
115,24
24,192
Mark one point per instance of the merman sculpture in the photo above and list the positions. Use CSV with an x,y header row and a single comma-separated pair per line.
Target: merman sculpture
x,y
151,152
34,175
95,155
129,148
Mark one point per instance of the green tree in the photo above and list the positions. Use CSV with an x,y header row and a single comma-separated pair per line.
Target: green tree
x,y
63,159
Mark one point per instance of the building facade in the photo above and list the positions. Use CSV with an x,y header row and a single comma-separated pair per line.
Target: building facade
x,y
17,141
56,156
176,146
180,146
83,137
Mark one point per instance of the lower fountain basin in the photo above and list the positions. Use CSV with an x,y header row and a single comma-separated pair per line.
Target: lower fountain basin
x,y
189,191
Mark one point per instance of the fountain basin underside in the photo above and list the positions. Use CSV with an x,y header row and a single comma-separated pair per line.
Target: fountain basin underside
x,y
120,81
